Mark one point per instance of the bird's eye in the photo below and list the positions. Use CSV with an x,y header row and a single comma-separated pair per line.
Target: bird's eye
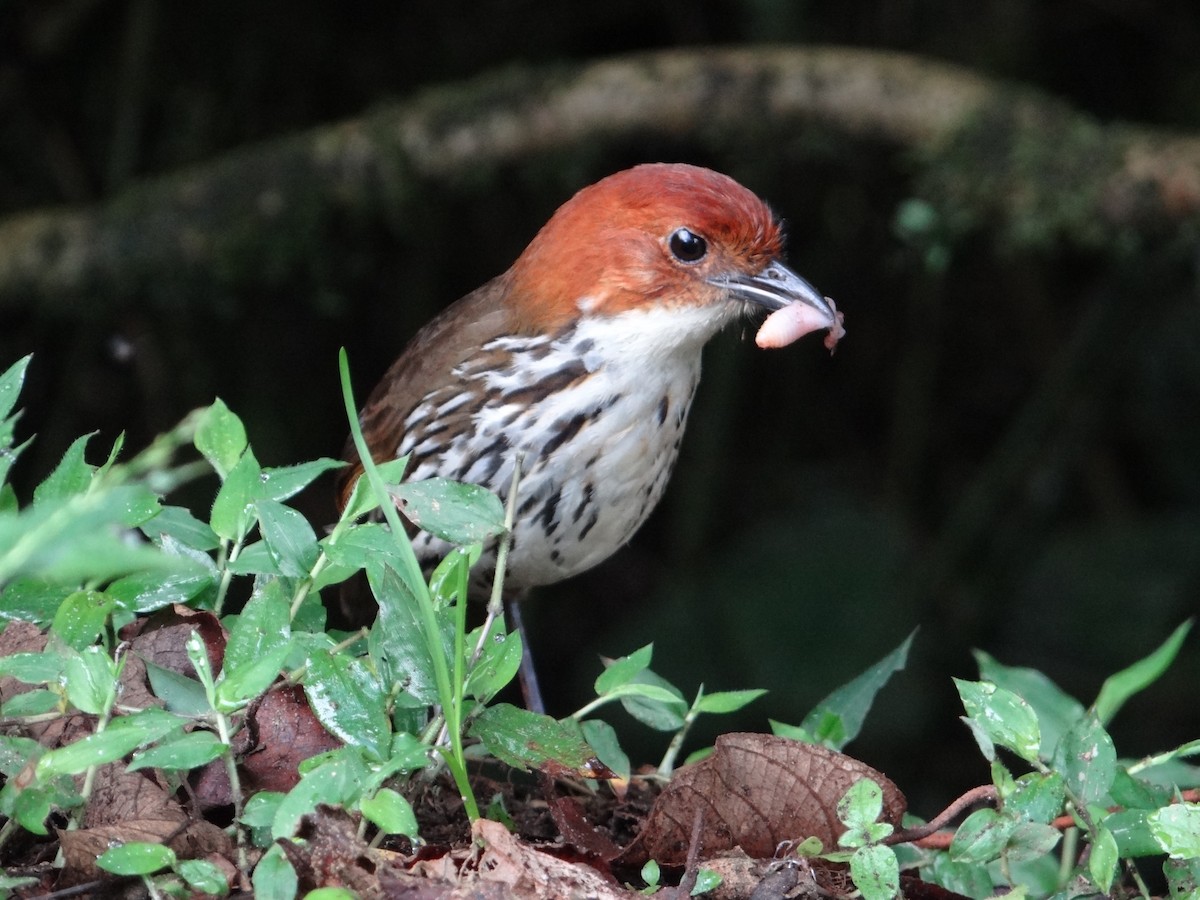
x,y
687,246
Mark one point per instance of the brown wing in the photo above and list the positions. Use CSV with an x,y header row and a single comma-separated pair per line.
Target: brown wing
x,y
426,365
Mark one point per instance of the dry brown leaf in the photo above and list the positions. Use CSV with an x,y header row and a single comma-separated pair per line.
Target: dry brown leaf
x,y
754,792
285,734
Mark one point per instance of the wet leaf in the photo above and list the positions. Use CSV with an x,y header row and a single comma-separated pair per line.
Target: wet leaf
x,y
220,438
289,538
188,751
525,740
136,858
458,513
1087,761
1001,717
348,701
390,812
1118,688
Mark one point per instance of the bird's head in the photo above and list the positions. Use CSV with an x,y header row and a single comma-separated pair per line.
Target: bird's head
x,y
659,235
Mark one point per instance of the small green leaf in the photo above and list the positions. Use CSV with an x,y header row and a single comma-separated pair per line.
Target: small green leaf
x,y
981,837
621,671
525,739
390,812
32,600
233,509
348,700
280,483
457,513
178,523
10,384
1031,841
653,701
203,876
1056,711
876,872
397,640
274,878
183,695
838,719
1102,862
651,873
91,680
1118,688
260,810
727,701
1176,828
263,625
1087,761
1002,716
71,476
237,686
145,592
289,538
33,668
32,703
82,617
602,738
336,779
498,663
221,438
1037,797
861,805
188,751
136,858
362,498
708,880
123,735
968,879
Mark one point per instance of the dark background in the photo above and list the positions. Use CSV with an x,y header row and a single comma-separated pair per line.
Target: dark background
x,y
945,470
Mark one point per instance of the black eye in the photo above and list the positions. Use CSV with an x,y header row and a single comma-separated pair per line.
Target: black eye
x,y
688,246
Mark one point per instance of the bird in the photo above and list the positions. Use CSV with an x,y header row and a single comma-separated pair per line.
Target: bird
x,y
582,361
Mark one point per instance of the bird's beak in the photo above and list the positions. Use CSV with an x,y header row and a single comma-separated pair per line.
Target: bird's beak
x,y
775,287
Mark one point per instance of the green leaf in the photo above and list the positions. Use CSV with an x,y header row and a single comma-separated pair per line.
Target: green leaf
x,y
981,837
1056,711
274,878
1001,717
91,680
525,739
123,735
203,876
1087,761
621,671
1102,861
263,626
346,698
602,738
1037,798
178,523
289,538
727,701
70,477
498,663
457,513
397,639
1133,834
708,880
188,751
183,695
362,498
260,810
1118,688
1031,841
968,879
145,592
390,812
10,384
861,805
33,668
653,701
876,872
237,686
1176,828
82,618
221,438
337,779
136,858
651,873
32,600
32,703
838,719
233,509
280,483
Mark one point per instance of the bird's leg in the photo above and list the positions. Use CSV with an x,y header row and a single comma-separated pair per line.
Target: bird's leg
x,y
530,689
